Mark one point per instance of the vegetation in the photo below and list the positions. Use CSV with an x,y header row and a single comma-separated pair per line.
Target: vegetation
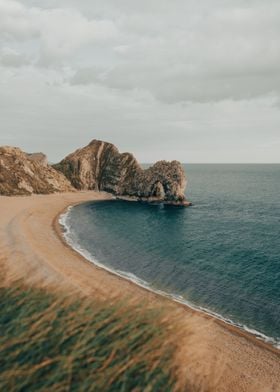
x,y
49,343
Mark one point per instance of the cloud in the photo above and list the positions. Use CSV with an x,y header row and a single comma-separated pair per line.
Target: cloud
x,y
189,80
58,32
184,51
180,83
40,114
198,54
11,58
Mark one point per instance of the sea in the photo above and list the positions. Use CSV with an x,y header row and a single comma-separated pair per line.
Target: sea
x,y
221,256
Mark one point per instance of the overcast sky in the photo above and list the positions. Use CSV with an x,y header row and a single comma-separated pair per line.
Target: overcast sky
x,y
193,80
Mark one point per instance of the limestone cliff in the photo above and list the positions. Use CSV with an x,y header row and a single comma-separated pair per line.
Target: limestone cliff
x,y
100,166
24,174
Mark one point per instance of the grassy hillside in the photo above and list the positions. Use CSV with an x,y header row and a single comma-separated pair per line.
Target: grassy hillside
x,y
53,344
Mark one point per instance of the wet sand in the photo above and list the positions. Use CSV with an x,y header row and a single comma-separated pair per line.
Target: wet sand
x,y
214,356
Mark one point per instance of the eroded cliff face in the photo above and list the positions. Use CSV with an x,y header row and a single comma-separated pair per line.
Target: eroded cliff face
x,y
100,166
24,174
165,181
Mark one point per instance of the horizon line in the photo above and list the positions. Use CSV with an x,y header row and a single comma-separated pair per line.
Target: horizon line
x,y
219,163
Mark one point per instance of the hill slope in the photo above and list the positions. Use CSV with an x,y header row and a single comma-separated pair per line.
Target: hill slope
x,y
24,174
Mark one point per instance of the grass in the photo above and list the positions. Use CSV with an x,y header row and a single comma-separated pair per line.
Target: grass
x,y
49,343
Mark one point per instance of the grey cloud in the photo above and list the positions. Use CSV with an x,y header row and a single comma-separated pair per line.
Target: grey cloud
x,y
213,53
176,51
56,33
13,59
178,85
190,80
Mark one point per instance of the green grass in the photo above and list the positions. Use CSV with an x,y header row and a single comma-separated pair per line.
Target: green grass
x,y
49,343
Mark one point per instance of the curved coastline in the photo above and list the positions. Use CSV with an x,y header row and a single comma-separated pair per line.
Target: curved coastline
x,y
258,337
210,352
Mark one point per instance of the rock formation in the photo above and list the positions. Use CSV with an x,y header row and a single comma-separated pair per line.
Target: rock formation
x,y
38,157
24,174
100,166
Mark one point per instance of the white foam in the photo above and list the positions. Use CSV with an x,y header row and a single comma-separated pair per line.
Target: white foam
x,y
64,222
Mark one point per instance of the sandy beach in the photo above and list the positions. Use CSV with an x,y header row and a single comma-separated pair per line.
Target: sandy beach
x,y
211,353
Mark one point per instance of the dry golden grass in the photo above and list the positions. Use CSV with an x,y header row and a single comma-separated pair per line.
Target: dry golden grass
x,y
50,342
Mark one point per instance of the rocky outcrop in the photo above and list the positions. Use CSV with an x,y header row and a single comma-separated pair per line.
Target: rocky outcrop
x,y
24,174
100,166
38,157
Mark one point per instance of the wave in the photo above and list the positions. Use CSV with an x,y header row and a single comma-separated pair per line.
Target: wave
x,y
68,236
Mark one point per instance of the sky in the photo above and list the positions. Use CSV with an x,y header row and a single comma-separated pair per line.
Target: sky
x,y
192,80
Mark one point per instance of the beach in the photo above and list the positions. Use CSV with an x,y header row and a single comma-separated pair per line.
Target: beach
x,y
212,353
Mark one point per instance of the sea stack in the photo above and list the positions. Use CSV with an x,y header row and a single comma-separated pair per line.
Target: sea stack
x,y
100,166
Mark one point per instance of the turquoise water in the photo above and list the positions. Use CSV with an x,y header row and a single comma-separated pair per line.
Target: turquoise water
x,y
222,254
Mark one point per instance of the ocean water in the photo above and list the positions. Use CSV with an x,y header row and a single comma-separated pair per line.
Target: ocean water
x,y
222,254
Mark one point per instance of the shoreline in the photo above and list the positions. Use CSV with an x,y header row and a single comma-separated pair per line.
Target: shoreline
x,y
210,351
258,337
